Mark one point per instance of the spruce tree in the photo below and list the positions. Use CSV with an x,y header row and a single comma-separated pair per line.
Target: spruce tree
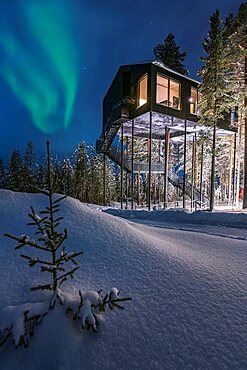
x,y
56,263
169,54
3,175
214,98
50,241
40,175
29,167
15,177
95,177
236,76
80,158
67,173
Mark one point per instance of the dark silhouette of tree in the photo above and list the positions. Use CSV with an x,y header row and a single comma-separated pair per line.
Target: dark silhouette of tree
x,y
15,178
169,54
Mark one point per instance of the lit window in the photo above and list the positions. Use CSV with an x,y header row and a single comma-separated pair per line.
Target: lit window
x,y
174,96
143,91
168,92
162,90
193,101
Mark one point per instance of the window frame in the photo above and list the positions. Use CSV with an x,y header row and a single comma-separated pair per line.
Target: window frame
x,y
191,102
169,87
138,90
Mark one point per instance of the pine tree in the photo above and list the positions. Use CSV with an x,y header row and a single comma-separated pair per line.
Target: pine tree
x,y
81,171
56,262
49,240
214,97
29,167
40,175
67,174
15,178
236,76
111,179
169,54
95,177
3,175
56,173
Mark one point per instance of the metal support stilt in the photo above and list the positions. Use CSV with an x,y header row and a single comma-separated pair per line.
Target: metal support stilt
x,y
126,174
138,188
121,174
167,137
184,177
132,164
201,175
150,162
104,179
212,181
192,175
234,169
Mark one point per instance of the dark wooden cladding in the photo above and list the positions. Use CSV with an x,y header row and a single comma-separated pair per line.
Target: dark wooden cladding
x,y
125,84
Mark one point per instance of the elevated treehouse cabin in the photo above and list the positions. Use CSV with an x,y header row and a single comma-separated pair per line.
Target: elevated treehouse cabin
x,y
148,112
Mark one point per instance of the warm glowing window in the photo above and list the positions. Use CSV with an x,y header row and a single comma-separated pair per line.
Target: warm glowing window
x,y
193,101
168,92
162,90
174,98
143,90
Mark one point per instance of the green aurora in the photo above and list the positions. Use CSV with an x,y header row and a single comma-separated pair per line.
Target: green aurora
x,y
46,83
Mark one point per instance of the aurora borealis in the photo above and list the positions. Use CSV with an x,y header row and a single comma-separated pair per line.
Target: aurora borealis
x,y
45,81
58,58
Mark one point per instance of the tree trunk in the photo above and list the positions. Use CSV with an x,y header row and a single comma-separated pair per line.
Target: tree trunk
x,y
230,172
245,145
212,180
238,164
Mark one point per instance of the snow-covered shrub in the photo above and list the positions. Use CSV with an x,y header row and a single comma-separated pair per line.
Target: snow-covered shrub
x,y
59,265
18,322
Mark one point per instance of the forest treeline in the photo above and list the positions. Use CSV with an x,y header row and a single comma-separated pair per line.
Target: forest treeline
x,y
79,176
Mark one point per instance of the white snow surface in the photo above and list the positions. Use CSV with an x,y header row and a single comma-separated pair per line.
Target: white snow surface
x,y
188,289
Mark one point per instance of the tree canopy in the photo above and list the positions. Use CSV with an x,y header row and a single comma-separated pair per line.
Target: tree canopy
x,y
169,54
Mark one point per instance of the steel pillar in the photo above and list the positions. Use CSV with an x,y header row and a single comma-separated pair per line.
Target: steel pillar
x,y
184,177
132,163
212,181
167,142
150,162
234,168
104,179
121,174
192,174
126,174
201,174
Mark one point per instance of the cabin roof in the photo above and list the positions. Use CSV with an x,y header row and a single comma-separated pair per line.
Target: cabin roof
x,y
161,65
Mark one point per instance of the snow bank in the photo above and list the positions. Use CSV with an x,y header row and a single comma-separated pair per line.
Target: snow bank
x,y
176,215
188,290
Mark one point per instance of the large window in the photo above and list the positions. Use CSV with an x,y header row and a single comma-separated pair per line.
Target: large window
x,y
168,92
174,97
193,100
162,90
143,91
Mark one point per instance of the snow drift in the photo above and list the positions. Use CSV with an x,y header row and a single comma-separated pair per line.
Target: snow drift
x,y
189,295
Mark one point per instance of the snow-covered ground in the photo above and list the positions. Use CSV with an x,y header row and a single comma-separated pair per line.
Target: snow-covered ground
x,y
188,289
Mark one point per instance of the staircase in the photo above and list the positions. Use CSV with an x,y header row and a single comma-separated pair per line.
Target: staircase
x,y
178,182
120,113
115,154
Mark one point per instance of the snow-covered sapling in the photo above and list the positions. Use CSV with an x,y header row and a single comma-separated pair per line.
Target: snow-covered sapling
x,y
59,265
49,240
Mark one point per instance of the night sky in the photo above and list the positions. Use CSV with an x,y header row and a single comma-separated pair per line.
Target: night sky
x,y
58,58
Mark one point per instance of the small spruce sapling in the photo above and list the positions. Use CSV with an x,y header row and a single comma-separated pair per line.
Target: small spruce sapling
x,y
49,239
59,265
